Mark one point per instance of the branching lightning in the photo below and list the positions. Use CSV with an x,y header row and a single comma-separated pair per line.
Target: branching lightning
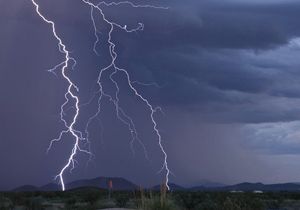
x,y
70,93
112,69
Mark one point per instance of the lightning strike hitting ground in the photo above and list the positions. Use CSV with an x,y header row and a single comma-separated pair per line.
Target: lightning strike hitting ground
x,y
100,93
70,93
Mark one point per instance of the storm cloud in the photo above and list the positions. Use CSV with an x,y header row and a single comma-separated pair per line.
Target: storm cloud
x,y
226,73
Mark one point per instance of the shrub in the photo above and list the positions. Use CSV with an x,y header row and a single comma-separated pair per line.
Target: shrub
x,y
230,205
36,203
156,204
188,200
5,203
121,199
91,197
207,205
70,203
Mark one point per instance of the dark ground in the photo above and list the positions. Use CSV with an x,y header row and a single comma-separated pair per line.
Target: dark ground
x,y
92,198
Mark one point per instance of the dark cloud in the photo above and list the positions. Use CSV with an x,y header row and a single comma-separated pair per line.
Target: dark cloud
x,y
217,50
219,66
223,25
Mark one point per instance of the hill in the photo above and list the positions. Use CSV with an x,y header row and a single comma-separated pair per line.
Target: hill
x,y
102,182
119,183
99,182
250,187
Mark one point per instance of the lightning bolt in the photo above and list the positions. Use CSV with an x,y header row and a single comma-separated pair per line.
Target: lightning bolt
x,y
112,69
77,135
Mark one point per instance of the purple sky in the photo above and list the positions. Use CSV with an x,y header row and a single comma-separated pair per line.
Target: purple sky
x,y
228,73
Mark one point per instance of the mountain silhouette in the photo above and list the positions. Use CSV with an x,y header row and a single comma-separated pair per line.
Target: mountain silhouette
x,y
119,183
250,187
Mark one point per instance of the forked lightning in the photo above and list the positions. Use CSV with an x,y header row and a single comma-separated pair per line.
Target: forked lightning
x,y
72,90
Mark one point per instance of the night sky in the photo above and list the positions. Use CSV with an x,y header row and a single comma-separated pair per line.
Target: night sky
x,y
228,81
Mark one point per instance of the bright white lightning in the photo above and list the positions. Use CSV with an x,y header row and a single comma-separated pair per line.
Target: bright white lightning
x,y
72,88
113,54
70,93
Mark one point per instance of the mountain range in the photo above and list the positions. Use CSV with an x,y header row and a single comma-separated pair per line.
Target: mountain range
x,y
119,183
